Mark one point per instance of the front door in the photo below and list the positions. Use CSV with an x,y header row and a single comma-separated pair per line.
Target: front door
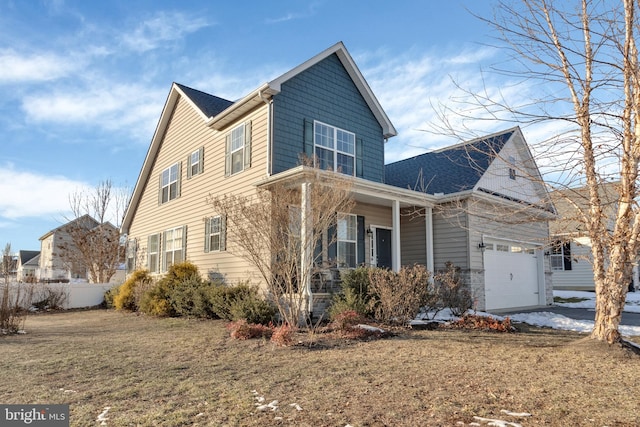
x,y
383,248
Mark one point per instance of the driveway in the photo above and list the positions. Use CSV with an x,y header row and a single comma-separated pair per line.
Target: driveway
x,y
628,318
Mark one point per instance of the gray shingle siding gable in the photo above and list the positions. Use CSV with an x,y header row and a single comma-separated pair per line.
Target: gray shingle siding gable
x,y
324,92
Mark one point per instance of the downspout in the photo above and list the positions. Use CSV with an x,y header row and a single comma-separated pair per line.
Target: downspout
x,y
269,103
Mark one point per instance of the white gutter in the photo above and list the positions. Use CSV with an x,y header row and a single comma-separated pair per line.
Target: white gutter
x,y
269,102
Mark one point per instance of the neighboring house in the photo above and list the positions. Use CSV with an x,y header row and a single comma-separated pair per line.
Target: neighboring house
x,y
323,108
58,262
28,263
570,252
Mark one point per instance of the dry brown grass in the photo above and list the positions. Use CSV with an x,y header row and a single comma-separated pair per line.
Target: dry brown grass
x,y
174,372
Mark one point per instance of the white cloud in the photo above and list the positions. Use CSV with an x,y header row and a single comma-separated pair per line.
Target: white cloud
x,y
128,108
36,67
160,29
27,194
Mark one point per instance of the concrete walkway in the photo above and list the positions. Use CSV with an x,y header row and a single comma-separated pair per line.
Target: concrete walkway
x,y
628,318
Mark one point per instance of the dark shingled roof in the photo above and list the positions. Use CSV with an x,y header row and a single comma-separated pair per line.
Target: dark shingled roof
x,y
449,170
210,105
26,256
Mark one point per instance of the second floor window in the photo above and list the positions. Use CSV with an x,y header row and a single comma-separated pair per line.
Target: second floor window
x,y
334,148
170,183
195,163
238,149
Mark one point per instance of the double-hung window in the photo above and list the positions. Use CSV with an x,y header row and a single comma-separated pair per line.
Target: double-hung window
x,y
561,256
174,240
334,148
170,183
347,236
195,163
214,234
153,253
238,149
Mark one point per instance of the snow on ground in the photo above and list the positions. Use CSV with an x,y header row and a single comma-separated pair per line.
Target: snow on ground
x,y
558,321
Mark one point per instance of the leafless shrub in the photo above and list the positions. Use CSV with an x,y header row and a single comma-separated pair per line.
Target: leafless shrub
x,y
396,298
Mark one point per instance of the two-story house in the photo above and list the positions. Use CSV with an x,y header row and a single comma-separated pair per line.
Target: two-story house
x,y
325,109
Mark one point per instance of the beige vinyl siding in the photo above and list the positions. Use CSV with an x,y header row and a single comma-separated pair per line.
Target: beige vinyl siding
x,y
413,238
450,237
185,133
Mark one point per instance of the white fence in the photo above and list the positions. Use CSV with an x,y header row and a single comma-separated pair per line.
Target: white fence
x,y
67,295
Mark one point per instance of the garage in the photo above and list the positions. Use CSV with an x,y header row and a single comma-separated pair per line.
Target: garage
x,y
510,274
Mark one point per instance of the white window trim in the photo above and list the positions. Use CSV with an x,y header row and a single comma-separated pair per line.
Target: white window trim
x,y
335,149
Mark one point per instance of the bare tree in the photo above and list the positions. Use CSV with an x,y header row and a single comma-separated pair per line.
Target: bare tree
x,y
584,57
95,243
278,229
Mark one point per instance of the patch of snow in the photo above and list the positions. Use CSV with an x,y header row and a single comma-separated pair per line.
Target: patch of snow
x,y
497,423
515,414
103,416
369,328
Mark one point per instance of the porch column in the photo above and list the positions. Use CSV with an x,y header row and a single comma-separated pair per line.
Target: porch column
x,y
428,220
306,251
395,237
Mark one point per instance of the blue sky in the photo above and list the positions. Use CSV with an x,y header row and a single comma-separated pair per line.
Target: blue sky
x,y
83,83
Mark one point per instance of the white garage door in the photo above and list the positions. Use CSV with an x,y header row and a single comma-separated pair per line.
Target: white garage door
x,y
510,274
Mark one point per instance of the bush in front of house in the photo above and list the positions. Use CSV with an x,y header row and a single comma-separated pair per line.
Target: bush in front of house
x,y
127,295
241,301
396,298
157,300
354,294
454,294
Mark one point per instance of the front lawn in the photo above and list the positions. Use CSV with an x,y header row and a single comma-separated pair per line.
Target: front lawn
x,y
173,372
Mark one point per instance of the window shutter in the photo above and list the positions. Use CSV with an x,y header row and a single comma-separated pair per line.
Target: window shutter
x,y
359,162
223,232
308,138
566,250
179,181
360,244
201,161
149,266
317,251
160,189
332,231
189,172
184,242
227,156
207,234
247,144
162,254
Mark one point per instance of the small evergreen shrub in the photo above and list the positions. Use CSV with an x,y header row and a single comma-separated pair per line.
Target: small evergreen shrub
x,y
157,300
124,297
241,302
354,294
110,295
190,298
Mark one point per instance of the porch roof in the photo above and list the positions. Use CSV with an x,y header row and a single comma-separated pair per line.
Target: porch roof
x,y
364,191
